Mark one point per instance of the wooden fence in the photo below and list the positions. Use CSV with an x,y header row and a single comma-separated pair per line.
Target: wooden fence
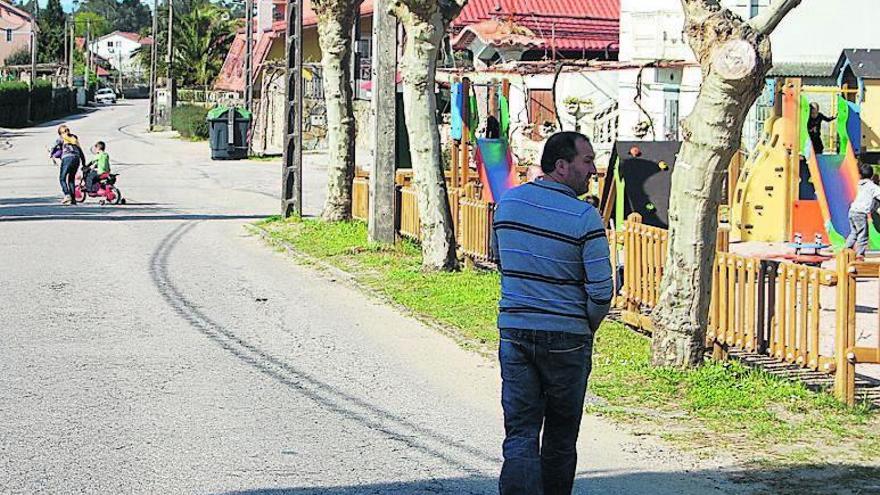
x,y
409,224
475,232
769,307
760,306
360,201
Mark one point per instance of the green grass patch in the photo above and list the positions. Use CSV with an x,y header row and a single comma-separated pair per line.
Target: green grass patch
x,y
719,405
465,301
257,158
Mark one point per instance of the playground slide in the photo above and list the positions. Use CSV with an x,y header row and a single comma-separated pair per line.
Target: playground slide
x,y
495,166
836,176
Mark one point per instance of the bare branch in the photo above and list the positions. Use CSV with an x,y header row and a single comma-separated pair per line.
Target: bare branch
x,y
767,21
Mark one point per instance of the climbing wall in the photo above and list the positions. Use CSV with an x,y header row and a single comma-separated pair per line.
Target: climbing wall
x,y
760,200
642,172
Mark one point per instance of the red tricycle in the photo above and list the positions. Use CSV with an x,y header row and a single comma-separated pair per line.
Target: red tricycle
x,y
101,186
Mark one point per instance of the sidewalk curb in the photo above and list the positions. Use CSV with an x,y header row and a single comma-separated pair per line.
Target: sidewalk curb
x,y
337,274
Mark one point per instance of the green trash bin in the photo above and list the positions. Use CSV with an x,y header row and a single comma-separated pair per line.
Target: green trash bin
x,y
229,129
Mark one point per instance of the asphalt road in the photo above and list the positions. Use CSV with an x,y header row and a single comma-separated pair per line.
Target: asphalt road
x,y
158,347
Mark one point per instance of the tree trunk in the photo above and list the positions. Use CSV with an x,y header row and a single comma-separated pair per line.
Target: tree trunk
x,y
424,22
335,22
735,56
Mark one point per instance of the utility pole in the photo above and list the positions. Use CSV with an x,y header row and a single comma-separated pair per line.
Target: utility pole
x,y
249,55
72,49
382,187
249,67
153,54
32,81
88,57
291,192
64,38
119,72
170,63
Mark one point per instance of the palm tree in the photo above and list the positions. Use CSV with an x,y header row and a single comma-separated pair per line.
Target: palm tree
x,y
201,38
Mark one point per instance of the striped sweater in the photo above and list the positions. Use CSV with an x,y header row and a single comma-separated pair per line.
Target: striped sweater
x,y
553,255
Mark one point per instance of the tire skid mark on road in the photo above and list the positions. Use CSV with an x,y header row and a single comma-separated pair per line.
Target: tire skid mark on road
x,y
121,130
324,395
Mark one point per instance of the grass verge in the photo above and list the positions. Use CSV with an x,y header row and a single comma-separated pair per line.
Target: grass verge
x,y
720,407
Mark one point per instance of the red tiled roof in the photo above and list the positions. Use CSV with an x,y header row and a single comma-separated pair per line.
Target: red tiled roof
x,y
563,24
231,77
144,40
499,34
16,10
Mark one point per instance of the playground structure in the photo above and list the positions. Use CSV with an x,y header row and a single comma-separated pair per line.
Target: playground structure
x,y
778,312
787,190
638,180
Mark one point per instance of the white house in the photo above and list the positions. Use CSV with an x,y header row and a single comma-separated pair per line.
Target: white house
x,y
663,90
120,49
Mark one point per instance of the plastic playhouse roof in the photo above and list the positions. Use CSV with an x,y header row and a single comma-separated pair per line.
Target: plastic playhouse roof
x,y
865,62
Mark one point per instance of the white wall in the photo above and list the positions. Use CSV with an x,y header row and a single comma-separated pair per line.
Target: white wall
x,y
600,87
120,54
816,31
655,88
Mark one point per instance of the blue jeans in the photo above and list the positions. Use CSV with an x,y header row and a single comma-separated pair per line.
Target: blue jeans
x,y
69,166
858,233
544,380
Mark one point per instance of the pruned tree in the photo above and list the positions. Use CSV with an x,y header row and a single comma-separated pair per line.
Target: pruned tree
x,y
336,20
425,23
735,57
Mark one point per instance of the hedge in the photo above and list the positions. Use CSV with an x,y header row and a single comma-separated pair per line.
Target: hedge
x,y
48,103
190,121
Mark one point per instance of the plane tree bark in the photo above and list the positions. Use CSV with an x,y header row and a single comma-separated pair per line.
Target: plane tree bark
x,y
425,23
735,57
336,20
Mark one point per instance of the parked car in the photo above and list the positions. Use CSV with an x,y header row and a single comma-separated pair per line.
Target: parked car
x,y
105,95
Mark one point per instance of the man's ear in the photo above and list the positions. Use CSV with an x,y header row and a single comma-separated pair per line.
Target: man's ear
x,y
562,167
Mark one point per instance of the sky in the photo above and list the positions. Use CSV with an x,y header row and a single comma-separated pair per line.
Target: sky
x,y
67,5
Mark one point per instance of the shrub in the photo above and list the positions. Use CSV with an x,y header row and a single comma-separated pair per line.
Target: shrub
x,y
13,103
47,103
189,121
20,57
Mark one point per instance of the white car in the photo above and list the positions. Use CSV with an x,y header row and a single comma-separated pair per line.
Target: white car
x,y
105,95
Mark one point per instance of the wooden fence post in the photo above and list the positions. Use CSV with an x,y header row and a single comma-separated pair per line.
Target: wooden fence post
x,y
722,240
631,266
844,376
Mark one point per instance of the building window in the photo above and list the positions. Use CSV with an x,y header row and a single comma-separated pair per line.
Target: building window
x,y
754,7
9,36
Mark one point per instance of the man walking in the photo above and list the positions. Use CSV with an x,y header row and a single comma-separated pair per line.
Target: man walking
x,y
555,290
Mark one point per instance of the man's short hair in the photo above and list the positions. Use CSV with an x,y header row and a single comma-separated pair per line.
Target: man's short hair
x,y
866,171
560,146
100,145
